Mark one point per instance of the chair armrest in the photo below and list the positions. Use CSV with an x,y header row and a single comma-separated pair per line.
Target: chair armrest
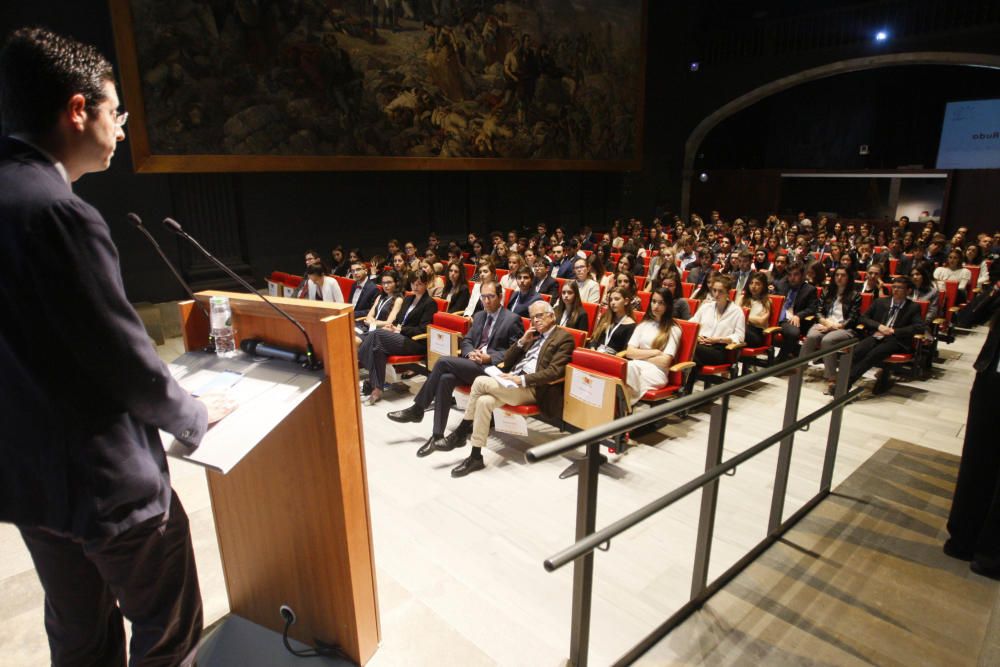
x,y
682,366
735,346
459,312
809,318
422,336
771,330
954,309
622,354
938,320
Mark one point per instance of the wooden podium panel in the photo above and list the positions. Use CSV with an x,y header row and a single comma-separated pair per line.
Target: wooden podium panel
x,y
293,518
599,388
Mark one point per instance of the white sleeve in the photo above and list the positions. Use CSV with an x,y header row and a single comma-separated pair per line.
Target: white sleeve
x,y
331,290
740,329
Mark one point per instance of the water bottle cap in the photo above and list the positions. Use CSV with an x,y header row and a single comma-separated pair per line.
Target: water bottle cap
x,y
219,300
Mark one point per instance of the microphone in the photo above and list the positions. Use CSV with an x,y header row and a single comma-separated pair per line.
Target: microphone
x,y
310,361
137,223
257,347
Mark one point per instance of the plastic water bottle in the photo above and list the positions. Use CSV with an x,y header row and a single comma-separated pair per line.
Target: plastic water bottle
x,y
222,327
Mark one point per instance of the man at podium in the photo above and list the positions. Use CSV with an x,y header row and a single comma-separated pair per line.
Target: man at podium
x,y
83,473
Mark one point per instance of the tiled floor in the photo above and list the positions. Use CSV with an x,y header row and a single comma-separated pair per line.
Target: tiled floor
x,y
459,562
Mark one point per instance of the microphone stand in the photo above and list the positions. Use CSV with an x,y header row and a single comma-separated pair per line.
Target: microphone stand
x,y
312,363
137,223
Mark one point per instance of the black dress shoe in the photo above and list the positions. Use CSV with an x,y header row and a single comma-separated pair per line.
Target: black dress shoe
x,y
471,464
956,550
411,414
993,572
455,439
429,447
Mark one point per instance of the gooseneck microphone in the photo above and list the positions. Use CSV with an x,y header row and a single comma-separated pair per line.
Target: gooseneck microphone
x,y
310,362
137,223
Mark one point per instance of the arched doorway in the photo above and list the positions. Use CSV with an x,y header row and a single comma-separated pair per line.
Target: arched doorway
x,y
699,133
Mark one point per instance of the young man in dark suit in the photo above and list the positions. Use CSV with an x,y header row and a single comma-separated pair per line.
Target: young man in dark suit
x,y
890,324
544,283
538,359
800,302
494,329
364,291
83,473
526,295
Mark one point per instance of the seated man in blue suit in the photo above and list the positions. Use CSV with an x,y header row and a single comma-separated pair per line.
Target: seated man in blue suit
x,y
526,294
493,330
364,291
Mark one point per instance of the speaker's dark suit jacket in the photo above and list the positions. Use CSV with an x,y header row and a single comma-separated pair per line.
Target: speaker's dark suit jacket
x,y
506,331
369,291
555,354
82,389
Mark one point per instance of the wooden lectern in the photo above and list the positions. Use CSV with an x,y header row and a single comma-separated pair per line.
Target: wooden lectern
x,y
292,517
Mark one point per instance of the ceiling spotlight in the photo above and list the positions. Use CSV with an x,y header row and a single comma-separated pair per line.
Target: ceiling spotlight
x,y
881,36
694,66
703,177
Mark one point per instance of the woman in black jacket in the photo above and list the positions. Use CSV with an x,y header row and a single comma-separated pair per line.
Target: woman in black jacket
x,y
838,316
414,315
614,328
456,288
568,311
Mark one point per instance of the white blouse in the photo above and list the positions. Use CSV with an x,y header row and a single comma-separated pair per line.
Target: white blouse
x,y
730,324
647,331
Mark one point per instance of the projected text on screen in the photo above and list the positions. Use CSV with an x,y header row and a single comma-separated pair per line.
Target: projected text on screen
x,y
970,135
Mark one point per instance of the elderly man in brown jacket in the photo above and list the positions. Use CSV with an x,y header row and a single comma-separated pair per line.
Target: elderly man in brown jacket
x,y
537,360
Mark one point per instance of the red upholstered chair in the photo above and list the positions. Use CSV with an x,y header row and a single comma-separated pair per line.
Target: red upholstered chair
x,y
677,377
591,309
687,289
644,298
346,285
441,319
561,281
638,315
547,298
893,263
442,304
974,270
866,301
684,276
693,304
615,256
750,356
501,273
470,270
639,282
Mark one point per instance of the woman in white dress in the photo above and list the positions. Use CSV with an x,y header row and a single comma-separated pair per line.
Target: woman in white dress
x,y
652,347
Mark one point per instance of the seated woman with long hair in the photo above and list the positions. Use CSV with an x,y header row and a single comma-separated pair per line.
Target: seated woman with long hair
x,y
614,327
415,313
652,347
386,305
569,311
755,297
456,288
839,313
924,289
681,309
623,281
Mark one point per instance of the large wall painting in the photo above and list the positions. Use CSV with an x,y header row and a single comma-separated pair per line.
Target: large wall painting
x,y
257,85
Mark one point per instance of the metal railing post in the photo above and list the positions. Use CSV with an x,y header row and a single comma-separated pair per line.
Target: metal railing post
x,y
709,497
785,451
836,418
583,568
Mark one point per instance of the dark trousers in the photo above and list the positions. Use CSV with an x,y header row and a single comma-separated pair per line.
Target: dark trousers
x,y
790,340
754,336
377,346
448,373
871,351
149,570
974,522
711,355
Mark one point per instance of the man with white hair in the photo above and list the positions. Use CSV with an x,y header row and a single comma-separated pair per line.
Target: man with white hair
x,y
537,360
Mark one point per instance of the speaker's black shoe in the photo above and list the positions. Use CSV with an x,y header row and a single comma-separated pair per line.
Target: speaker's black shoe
x,y
993,572
469,465
366,388
956,550
411,414
430,446
456,438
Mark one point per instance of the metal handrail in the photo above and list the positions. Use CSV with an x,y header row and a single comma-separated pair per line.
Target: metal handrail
x,y
658,412
594,540
589,539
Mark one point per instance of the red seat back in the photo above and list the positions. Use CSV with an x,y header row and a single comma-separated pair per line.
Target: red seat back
x,y
600,362
442,304
644,298
591,309
451,322
974,270
638,315
893,263
866,301
685,350
470,270
687,289
579,337
693,304
346,285
639,281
